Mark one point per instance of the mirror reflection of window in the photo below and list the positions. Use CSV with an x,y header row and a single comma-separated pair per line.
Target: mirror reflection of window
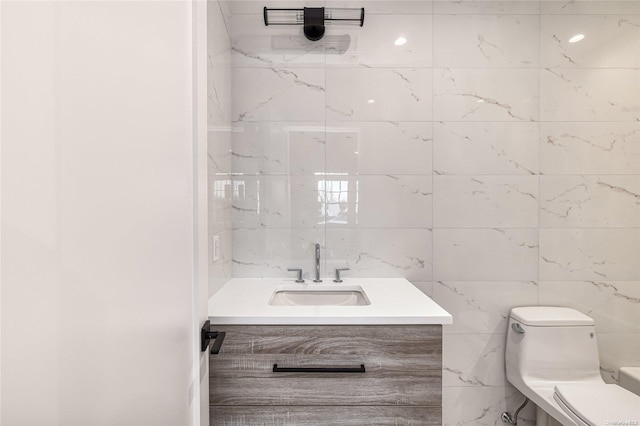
x,y
221,189
238,190
341,203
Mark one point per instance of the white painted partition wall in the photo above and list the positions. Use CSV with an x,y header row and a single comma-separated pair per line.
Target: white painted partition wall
x,y
100,260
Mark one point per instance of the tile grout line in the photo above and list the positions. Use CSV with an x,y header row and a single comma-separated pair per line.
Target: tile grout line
x,y
433,192
539,142
324,112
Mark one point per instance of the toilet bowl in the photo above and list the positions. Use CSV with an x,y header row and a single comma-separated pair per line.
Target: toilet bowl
x,y
593,404
630,379
552,359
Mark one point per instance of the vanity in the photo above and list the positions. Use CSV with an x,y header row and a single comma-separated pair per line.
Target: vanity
x,y
363,352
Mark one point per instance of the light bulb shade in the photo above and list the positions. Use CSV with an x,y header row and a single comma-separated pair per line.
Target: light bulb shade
x,y
314,19
283,16
344,16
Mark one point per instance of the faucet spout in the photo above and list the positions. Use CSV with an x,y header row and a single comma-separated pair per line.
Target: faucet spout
x,y
317,280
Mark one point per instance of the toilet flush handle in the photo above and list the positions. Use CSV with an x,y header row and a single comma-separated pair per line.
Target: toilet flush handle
x,y
517,327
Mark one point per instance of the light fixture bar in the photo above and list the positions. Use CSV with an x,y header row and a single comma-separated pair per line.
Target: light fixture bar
x,y
313,18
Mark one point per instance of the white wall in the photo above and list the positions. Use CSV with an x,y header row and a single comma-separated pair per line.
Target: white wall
x,y
499,166
201,207
97,213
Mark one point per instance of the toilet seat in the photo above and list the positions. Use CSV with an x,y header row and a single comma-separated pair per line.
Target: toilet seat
x,y
598,404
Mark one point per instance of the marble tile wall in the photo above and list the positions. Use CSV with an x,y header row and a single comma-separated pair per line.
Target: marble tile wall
x,y
488,160
219,138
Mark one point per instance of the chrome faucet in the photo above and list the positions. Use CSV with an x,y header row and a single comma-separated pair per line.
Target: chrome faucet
x,y
299,272
317,280
338,270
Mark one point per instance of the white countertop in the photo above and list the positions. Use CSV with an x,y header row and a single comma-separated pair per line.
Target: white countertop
x,y
245,301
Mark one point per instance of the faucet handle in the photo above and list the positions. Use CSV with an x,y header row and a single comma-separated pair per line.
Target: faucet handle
x,y
338,279
299,271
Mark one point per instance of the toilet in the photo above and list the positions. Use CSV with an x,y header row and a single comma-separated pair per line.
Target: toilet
x,y
552,359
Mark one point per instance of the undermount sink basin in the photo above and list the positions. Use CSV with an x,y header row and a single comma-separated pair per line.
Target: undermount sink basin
x,y
319,295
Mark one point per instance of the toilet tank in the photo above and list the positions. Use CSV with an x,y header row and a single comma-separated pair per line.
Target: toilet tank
x,y
551,344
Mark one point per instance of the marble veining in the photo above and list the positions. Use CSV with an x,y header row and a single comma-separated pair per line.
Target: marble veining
x,y
614,305
372,45
486,41
462,254
363,147
482,405
485,201
485,148
483,306
279,148
398,94
572,7
485,94
473,360
590,148
616,44
589,254
268,93
268,252
579,201
381,252
617,349
490,7
584,95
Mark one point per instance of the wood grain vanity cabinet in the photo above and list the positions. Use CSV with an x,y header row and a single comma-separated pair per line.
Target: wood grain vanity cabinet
x,y
401,385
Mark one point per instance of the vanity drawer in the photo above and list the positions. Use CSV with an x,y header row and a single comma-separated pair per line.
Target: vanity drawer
x,y
402,366
323,416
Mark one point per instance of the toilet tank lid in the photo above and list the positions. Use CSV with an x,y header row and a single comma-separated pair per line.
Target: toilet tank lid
x,y
548,316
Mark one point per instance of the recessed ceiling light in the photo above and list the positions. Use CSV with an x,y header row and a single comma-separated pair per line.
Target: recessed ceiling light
x,y
576,38
371,101
400,41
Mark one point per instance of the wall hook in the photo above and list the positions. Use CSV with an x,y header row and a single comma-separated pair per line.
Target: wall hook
x,y
206,335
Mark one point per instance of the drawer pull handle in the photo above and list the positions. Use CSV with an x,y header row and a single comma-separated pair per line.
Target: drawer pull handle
x,y
360,369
